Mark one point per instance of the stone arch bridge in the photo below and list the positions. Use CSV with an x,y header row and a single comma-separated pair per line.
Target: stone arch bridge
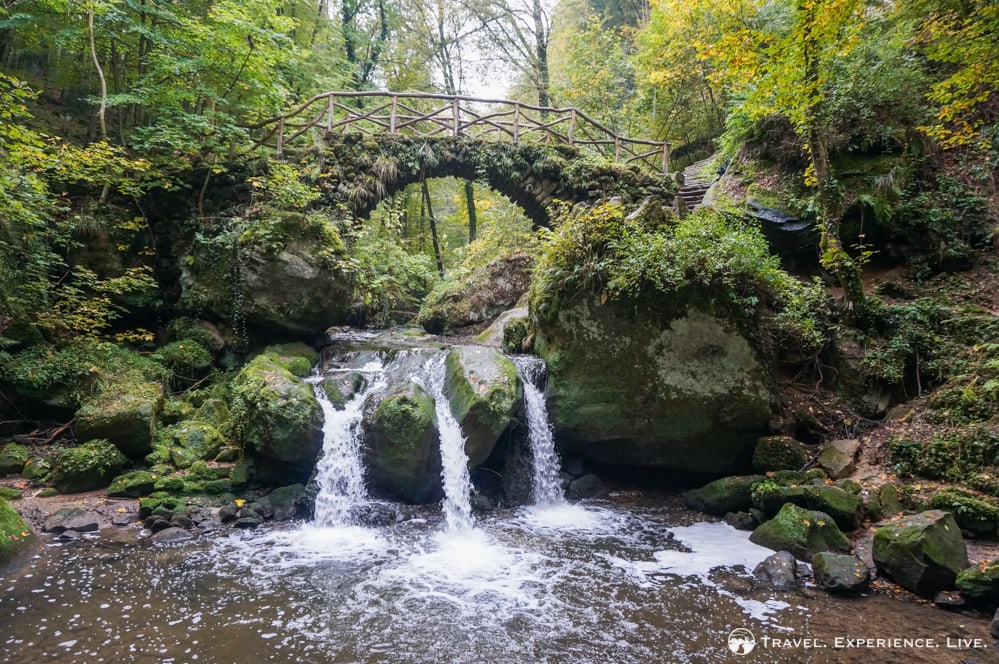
x,y
370,145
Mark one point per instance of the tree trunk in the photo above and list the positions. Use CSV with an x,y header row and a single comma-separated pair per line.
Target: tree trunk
x,y
470,204
541,53
100,74
433,229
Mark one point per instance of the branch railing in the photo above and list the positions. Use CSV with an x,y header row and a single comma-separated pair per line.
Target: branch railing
x,y
414,114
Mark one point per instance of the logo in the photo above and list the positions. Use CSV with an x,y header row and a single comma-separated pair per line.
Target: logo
x,y
741,641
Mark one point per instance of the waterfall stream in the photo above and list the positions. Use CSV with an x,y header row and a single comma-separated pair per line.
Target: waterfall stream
x,y
546,479
339,473
454,462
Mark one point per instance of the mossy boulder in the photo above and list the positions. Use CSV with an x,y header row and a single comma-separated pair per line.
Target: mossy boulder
x,y
775,453
133,485
801,532
980,582
36,468
845,508
402,446
889,500
769,497
483,390
974,512
728,494
838,458
300,357
191,441
15,535
13,456
923,553
837,572
126,413
281,420
654,383
88,466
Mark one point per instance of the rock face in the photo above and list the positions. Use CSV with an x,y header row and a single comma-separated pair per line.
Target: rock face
x,y
801,532
840,573
125,414
281,422
484,391
923,553
402,446
480,298
632,384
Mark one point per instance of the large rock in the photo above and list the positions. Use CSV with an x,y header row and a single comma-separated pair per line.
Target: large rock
x,y
651,384
838,458
844,507
15,536
840,573
728,494
801,532
281,420
483,389
13,456
125,413
479,298
923,553
778,571
85,467
402,446
775,453
980,582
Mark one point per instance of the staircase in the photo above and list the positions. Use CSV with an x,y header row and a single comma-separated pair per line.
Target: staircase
x,y
695,185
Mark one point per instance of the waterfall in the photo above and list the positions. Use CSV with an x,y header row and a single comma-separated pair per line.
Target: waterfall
x,y
339,473
547,479
454,462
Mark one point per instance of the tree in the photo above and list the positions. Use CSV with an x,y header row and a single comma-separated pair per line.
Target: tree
x,y
518,32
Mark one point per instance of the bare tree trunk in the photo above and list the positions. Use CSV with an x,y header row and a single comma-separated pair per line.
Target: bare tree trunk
x,y
433,229
100,73
470,204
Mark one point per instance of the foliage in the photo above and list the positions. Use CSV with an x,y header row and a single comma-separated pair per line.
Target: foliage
x,y
971,511
952,456
88,466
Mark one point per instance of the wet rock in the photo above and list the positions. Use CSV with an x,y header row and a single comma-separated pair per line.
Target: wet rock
x,y
88,466
845,508
587,486
481,503
838,458
172,534
923,553
980,582
157,523
126,518
728,494
248,522
774,453
741,520
483,390
654,384
801,532
181,521
287,501
376,514
778,571
950,599
125,413
228,513
71,518
68,536
840,573
574,466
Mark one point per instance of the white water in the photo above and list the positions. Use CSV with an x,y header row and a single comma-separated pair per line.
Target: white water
x,y
454,461
546,487
339,473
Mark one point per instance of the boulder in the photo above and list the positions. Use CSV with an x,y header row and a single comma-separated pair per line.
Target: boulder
x,y
775,453
135,484
287,501
741,520
974,512
402,446
587,486
480,297
888,498
88,466
191,441
282,420
801,532
16,537
845,508
13,456
840,573
838,458
980,582
171,534
728,494
654,384
923,553
778,571
125,413
71,518
483,389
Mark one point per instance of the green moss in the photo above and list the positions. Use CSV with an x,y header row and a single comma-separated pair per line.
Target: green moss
x,y
728,494
980,582
9,493
516,333
15,535
972,512
89,466
132,485
405,418
186,358
774,453
13,456
295,349
49,492
955,456
801,532
125,412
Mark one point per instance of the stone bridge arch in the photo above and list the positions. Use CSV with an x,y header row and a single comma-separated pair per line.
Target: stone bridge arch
x,y
358,172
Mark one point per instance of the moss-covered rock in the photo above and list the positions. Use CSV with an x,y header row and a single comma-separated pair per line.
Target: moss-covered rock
x,y
9,493
401,446
214,412
88,466
977,513
838,457
889,500
280,419
13,456
845,508
133,485
801,532
769,497
728,494
840,573
775,453
483,389
923,553
980,582
191,441
125,413
15,535
36,468
654,383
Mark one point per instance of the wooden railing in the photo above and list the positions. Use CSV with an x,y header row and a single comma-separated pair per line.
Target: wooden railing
x,y
433,115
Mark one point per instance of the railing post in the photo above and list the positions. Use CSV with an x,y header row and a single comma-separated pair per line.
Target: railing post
x,y
516,123
617,148
665,158
456,113
392,117
329,114
280,136
572,126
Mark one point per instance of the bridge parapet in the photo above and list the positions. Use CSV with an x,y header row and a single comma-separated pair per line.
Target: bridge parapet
x,y
415,115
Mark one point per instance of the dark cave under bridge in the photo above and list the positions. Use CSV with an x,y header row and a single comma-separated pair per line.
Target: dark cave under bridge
x,y
370,145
